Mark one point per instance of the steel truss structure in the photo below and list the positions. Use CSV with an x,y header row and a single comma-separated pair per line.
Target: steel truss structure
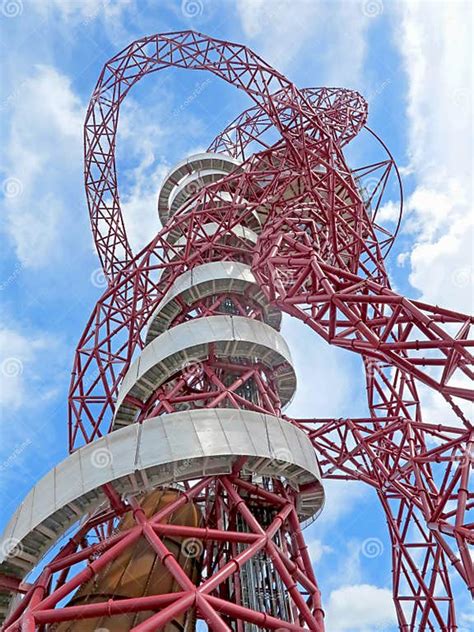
x,y
293,214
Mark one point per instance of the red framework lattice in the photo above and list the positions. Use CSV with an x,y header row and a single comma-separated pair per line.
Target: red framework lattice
x,y
320,258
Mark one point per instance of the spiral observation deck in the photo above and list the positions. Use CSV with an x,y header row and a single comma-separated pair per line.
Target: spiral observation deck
x,y
203,398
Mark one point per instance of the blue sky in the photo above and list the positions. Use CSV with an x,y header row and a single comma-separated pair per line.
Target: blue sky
x,y
410,60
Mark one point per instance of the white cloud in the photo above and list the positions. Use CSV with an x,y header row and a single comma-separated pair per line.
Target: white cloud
x,y
316,549
442,268
467,622
389,212
85,11
360,608
435,44
139,139
36,233
147,150
42,161
439,212
33,373
42,174
324,31
22,361
342,498
330,381
139,204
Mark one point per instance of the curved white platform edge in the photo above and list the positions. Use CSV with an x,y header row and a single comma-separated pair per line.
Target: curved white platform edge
x,y
221,164
171,448
205,280
188,343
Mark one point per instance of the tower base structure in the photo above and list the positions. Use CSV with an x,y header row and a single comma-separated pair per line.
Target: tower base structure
x,y
191,507
221,541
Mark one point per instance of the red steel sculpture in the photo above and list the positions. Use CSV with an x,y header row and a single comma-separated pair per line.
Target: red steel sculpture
x,y
186,488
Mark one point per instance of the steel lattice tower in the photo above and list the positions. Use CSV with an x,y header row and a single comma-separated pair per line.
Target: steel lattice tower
x,y
186,488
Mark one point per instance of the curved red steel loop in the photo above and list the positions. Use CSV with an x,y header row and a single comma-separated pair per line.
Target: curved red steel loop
x,y
233,63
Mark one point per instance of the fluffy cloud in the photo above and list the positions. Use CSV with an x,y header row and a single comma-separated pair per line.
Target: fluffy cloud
x,y
139,139
32,374
439,105
16,351
43,157
324,31
435,47
316,549
360,608
84,12
20,368
342,498
32,368
467,621
330,380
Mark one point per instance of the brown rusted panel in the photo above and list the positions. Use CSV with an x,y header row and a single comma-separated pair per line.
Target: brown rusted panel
x,y
138,573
